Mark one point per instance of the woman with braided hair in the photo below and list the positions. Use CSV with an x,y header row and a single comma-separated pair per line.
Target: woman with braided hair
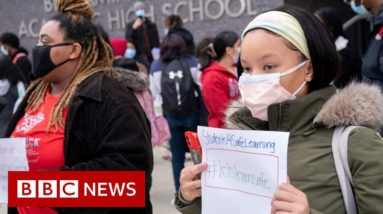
x,y
75,116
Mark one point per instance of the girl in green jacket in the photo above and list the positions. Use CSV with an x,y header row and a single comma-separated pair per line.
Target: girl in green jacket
x,y
290,63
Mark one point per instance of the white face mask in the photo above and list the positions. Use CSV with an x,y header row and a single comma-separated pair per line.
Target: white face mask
x,y
166,31
4,51
261,90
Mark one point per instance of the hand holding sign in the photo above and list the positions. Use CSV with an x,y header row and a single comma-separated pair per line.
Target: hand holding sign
x,y
288,199
244,169
189,186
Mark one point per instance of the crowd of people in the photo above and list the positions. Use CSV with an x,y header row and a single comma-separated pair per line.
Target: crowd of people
x,y
301,76
89,100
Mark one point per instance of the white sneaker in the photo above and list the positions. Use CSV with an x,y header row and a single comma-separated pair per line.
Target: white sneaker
x,y
167,155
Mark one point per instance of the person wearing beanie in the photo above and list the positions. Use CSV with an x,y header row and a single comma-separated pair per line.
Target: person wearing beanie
x,y
143,33
119,46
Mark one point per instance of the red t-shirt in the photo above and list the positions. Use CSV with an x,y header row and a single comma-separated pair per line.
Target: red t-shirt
x,y
45,150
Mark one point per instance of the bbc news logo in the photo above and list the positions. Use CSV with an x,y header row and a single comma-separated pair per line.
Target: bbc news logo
x,y
47,189
77,189
69,189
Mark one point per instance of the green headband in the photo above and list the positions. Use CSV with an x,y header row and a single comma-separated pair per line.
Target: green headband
x,y
284,25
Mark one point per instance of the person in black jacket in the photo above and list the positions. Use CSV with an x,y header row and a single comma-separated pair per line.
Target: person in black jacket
x,y
372,69
12,89
10,46
351,66
142,33
81,118
174,24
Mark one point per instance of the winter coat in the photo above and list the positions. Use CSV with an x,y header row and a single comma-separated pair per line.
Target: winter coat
x,y
351,67
219,88
311,121
372,68
105,129
138,81
139,39
20,59
187,36
8,97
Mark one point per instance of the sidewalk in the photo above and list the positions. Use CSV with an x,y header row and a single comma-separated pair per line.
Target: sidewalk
x,y
162,191
3,209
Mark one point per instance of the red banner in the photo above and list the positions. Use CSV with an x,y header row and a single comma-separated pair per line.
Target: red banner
x,y
77,189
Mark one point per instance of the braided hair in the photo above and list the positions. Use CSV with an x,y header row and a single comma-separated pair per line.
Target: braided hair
x,y
75,18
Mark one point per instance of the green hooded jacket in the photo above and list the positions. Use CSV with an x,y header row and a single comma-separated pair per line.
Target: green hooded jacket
x,y
311,120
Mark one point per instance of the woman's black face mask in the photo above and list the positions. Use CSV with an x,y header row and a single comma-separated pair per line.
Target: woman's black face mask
x,y
42,63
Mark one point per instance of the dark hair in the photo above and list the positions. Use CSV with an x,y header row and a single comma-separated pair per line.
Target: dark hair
x,y
217,49
125,63
324,57
75,21
103,33
332,19
202,55
173,21
173,46
81,31
10,39
10,72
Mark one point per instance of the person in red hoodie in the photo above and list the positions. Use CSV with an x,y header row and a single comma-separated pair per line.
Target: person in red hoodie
x,y
218,59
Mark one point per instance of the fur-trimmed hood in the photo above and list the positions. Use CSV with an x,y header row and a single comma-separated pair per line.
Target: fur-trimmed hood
x,y
233,107
138,81
358,104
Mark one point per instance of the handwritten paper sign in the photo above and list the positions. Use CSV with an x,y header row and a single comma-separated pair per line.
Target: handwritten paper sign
x,y
244,169
13,157
3,209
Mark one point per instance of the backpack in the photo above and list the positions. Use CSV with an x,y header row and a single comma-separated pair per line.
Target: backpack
x,y
17,57
158,124
178,90
339,151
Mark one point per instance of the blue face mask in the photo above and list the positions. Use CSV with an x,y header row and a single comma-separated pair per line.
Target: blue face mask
x,y
360,9
140,13
236,57
130,53
4,51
